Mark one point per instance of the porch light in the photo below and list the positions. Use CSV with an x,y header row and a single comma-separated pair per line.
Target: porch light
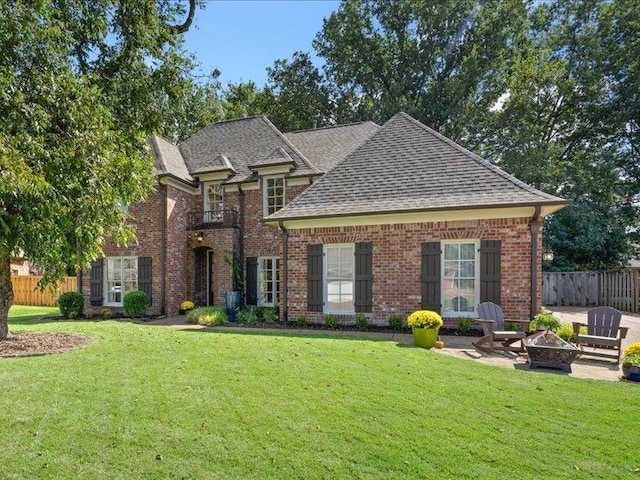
x,y
200,238
547,255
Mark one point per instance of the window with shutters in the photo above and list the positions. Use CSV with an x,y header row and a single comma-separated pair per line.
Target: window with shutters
x,y
460,278
273,194
120,277
268,281
339,279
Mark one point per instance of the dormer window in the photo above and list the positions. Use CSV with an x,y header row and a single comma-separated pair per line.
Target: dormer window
x,y
273,194
213,203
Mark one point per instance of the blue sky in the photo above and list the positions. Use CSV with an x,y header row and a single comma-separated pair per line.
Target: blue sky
x,y
241,38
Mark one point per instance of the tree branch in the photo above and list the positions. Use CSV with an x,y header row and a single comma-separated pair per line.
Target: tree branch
x,y
182,28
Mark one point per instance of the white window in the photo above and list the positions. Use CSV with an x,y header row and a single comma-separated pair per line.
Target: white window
x,y
273,195
121,277
460,278
339,272
213,203
268,281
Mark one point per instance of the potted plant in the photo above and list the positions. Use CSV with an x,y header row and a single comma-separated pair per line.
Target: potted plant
x,y
186,307
631,362
425,325
545,320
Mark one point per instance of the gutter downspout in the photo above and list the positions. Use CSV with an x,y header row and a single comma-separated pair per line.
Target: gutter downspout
x,y
534,225
285,276
163,248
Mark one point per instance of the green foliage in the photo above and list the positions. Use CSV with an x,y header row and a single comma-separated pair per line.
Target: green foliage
x,y
88,314
247,316
301,320
135,303
330,320
78,88
207,316
511,326
544,319
631,354
566,332
361,321
396,322
106,313
270,314
71,304
464,324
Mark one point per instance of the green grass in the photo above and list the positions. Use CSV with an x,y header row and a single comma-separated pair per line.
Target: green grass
x,y
156,402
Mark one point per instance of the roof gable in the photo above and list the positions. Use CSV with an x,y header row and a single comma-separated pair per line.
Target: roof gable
x,y
406,166
168,159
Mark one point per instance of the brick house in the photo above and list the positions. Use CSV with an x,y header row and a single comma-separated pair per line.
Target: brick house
x,y
346,219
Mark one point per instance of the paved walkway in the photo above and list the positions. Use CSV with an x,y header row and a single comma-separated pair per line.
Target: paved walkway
x,y
461,347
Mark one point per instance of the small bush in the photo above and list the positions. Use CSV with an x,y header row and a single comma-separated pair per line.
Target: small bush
x,y
247,316
565,332
88,314
71,304
271,314
106,313
208,316
464,325
135,303
396,322
511,326
361,321
331,320
301,320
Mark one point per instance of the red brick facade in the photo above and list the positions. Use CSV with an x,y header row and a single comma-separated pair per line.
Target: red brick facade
x,y
397,267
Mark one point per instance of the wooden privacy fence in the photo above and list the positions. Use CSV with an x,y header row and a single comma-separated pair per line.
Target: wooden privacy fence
x,y
615,288
26,291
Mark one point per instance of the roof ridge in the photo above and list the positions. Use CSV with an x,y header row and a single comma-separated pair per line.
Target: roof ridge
x,y
284,138
328,127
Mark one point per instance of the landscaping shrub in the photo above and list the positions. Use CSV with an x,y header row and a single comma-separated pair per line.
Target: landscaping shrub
x,y
396,322
208,316
361,321
464,325
565,332
247,316
510,327
71,304
331,320
106,313
301,321
270,314
135,303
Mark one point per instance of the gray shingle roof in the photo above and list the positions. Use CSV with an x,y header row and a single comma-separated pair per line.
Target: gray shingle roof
x,y
406,166
244,142
278,157
325,147
168,160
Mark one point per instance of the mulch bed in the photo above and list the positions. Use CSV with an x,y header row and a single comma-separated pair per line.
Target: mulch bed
x,y
23,344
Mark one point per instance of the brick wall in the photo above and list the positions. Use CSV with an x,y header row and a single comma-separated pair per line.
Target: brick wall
x,y
397,263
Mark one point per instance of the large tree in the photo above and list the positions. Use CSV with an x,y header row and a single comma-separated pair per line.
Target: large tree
x,y
80,83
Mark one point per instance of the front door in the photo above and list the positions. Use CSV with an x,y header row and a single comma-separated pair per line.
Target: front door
x,y
210,297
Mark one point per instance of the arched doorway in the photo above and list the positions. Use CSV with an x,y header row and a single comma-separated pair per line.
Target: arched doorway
x,y
203,277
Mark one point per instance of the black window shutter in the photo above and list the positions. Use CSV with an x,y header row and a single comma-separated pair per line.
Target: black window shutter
x,y
490,270
145,276
95,297
252,280
431,276
314,278
364,277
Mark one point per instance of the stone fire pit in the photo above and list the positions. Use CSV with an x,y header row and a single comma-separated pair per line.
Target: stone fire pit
x,y
547,350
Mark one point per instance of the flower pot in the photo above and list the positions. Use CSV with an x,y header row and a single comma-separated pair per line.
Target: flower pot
x,y
233,302
631,372
425,337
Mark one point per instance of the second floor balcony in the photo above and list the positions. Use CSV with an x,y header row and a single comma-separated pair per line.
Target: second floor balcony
x,y
212,219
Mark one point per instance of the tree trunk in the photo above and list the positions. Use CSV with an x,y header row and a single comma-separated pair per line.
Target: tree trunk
x,y
6,293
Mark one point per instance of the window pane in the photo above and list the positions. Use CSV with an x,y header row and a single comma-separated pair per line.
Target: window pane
x,y
451,252
467,251
459,278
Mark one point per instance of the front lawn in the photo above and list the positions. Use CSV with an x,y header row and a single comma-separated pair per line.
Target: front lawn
x,y
157,402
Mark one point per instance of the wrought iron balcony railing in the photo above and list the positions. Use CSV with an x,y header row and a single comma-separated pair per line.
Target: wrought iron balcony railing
x,y
212,219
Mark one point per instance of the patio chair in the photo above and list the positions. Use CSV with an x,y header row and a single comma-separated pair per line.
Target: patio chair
x,y
495,336
603,332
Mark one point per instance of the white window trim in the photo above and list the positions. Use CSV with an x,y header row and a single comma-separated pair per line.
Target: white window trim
x,y
105,282
259,289
476,249
265,183
325,292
